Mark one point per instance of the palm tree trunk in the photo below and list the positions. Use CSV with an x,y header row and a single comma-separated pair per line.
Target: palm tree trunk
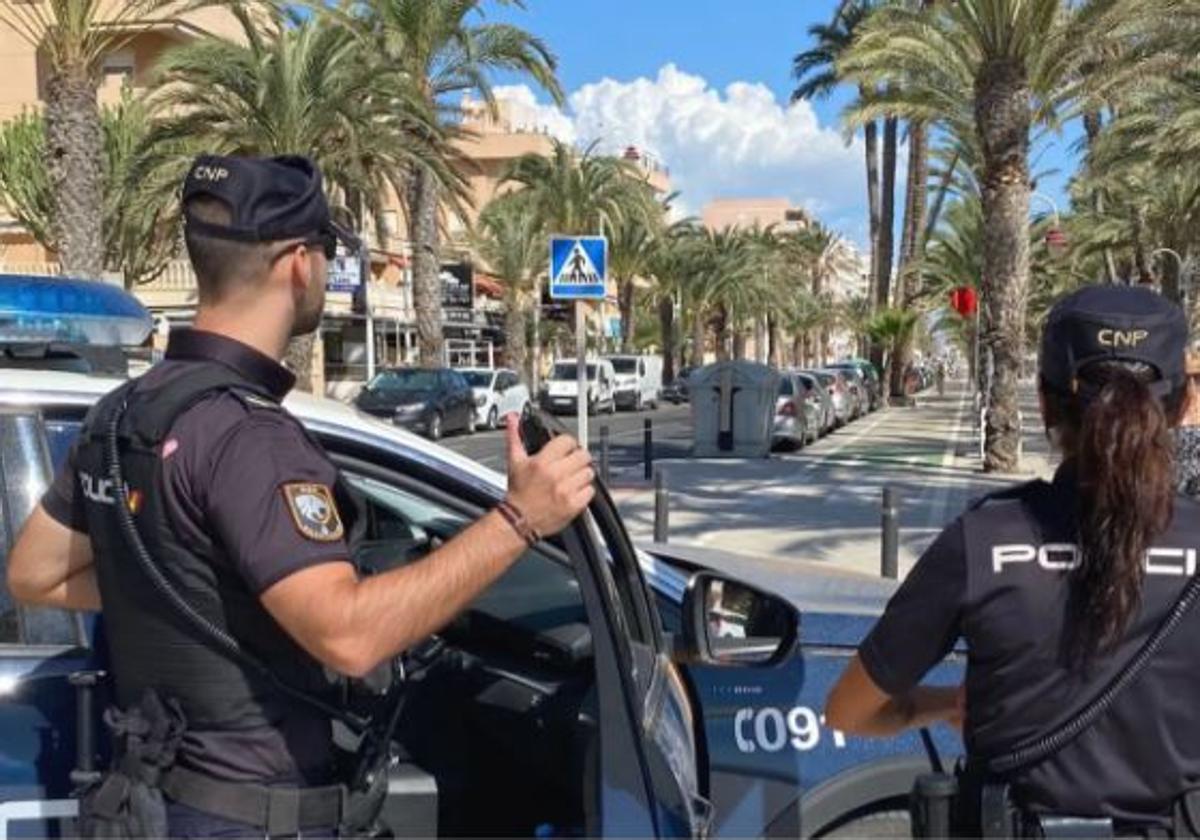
x,y
699,332
74,150
760,340
722,332
625,302
914,228
887,223
427,287
1003,118
775,340
514,333
798,350
666,325
1093,125
1141,256
871,142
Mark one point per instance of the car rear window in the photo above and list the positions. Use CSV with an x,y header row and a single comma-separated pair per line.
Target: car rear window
x,y
785,388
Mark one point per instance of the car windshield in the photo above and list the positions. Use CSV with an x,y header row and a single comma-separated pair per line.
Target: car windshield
x,y
478,378
624,365
568,372
785,387
404,380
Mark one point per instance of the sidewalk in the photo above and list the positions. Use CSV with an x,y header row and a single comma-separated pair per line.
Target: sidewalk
x,y
823,504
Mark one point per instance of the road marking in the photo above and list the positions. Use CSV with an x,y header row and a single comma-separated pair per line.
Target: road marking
x,y
865,430
938,512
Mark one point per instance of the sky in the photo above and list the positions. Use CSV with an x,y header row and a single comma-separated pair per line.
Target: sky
x,y
705,85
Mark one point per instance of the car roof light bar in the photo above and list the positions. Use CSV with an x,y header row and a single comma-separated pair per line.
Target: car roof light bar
x,y
41,310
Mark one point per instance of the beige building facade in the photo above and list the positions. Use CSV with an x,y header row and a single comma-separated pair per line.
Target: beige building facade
x,y
492,142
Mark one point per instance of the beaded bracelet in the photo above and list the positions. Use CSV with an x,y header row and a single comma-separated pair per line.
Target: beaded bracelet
x,y
513,516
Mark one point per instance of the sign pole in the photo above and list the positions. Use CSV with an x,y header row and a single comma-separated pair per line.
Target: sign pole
x,y
581,404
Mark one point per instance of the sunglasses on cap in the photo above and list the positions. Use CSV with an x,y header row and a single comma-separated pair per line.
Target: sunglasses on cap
x,y
326,239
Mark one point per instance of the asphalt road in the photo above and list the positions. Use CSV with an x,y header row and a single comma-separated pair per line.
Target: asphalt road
x,y
671,429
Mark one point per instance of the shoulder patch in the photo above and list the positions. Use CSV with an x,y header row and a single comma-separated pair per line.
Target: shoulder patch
x,y
313,511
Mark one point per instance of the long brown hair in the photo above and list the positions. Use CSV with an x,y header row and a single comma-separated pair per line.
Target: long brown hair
x,y
1117,434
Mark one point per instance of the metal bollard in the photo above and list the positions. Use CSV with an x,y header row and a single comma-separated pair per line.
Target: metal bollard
x,y
604,461
648,447
889,560
662,512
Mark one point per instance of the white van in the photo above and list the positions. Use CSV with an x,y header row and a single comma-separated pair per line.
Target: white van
x,y
639,381
560,389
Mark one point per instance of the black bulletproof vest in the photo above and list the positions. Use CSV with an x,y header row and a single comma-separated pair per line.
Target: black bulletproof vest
x,y
1023,680
151,645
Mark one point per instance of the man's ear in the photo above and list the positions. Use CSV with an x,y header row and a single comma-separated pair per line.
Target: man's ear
x,y
300,272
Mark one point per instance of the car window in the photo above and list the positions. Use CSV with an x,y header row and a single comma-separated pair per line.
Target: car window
x,y
29,452
536,598
785,387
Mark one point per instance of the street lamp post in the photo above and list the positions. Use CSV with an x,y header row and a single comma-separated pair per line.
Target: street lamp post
x,y
1184,273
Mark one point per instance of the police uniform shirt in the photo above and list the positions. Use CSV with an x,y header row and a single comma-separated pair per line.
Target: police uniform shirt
x,y
999,578
245,488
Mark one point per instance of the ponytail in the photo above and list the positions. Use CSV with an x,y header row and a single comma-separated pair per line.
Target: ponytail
x,y
1119,436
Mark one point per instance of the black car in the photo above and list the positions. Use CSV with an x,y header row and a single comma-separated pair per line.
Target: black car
x,y
676,391
431,401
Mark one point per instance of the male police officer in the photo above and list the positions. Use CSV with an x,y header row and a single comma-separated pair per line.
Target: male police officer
x,y
243,513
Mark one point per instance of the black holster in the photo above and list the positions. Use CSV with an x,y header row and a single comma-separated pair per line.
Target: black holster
x,y
127,801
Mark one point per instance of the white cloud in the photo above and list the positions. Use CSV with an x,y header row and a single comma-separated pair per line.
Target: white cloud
x,y
737,142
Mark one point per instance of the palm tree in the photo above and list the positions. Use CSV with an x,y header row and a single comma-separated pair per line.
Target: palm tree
x,y
630,250
584,193
816,74
1010,64
437,44
139,227
512,244
892,328
72,36
292,86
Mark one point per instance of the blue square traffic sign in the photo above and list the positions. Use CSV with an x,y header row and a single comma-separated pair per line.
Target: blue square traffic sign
x,y
578,267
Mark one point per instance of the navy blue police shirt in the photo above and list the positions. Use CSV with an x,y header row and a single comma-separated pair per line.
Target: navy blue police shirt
x,y
999,578
228,472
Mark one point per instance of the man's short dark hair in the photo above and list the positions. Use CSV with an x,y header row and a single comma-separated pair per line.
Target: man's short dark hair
x,y
223,264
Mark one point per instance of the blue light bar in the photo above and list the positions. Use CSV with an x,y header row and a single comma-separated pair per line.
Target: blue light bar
x,y
41,310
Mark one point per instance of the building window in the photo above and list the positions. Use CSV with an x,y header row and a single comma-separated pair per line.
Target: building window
x,y
118,67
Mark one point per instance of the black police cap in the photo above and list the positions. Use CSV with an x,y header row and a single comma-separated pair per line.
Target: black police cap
x,y
270,199
1118,323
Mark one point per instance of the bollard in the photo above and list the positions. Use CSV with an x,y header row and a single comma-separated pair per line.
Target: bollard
x,y
889,561
604,462
648,447
85,683
662,511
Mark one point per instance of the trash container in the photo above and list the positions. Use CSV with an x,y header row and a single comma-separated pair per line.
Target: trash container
x,y
733,409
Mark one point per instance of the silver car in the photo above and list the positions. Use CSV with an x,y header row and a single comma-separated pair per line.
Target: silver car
x,y
792,414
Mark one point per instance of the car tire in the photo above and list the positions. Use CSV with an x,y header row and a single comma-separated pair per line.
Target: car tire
x,y
435,426
612,406
493,419
638,405
472,427
593,409
878,824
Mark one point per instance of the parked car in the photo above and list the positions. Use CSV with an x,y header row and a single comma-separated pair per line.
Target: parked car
x,y
560,390
827,417
835,386
677,391
430,401
871,378
792,415
860,397
639,381
497,393
596,689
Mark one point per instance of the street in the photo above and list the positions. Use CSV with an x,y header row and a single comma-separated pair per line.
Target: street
x,y
820,504
671,424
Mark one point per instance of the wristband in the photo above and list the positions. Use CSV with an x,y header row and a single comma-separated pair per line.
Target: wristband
x,y
513,516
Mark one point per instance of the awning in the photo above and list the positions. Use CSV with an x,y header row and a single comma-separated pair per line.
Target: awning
x,y
486,284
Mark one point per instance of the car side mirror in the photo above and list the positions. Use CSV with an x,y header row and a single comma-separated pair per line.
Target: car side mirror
x,y
727,622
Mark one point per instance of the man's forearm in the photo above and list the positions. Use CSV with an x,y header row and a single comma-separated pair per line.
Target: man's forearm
x,y
390,612
78,592
923,706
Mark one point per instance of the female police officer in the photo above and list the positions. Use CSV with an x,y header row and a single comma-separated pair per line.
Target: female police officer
x,y
1055,586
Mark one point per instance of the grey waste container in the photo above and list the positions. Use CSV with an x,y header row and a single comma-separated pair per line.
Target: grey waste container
x,y
733,409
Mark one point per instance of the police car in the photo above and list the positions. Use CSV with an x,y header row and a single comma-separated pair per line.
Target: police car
x,y
597,688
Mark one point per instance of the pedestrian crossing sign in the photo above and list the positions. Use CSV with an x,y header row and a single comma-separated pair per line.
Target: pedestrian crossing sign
x,y
578,267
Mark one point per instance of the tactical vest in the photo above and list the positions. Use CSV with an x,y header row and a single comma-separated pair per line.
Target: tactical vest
x,y
150,643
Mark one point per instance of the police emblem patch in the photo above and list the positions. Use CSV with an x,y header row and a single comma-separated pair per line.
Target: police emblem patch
x,y
313,511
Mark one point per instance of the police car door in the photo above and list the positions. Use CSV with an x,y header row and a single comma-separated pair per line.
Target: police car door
x,y
650,780
42,653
